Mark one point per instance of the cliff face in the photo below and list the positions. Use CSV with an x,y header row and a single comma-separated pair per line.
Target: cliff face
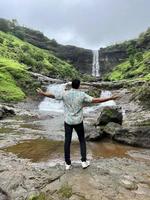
x,y
111,56
79,57
108,59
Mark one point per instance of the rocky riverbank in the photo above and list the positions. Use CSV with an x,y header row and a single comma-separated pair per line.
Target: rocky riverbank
x,y
105,179
115,177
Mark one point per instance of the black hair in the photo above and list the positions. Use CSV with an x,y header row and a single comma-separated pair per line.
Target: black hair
x,y
75,83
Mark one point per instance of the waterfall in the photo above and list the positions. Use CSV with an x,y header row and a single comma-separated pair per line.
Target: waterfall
x,y
95,65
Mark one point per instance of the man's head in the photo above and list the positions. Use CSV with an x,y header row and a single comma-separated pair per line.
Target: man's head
x,y
75,83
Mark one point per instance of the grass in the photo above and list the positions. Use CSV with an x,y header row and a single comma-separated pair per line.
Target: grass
x,y
141,70
65,191
17,58
9,89
41,196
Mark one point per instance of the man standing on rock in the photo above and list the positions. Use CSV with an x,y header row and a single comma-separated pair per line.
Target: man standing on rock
x,y
74,100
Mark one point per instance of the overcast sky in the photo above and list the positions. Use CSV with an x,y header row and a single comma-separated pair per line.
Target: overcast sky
x,y
86,23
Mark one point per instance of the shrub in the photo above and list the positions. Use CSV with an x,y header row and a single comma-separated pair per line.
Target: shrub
x,y
25,48
131,60
26,59
38,56
139,56
1,40
19,34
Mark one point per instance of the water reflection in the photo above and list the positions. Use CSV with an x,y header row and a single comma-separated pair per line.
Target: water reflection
x,y
40,150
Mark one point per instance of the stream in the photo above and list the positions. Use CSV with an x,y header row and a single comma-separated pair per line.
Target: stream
x,y
40,138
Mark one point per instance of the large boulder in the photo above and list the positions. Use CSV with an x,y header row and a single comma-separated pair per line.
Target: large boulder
x,y
93,133
110,114
135,136
111,128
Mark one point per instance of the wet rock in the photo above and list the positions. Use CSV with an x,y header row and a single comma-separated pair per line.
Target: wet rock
x,y
93,133
142,94
136,136
110,114
6,111
111,128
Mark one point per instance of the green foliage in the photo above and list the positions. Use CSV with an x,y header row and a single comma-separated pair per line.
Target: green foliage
x,y
1,40
17,57
41,196
25,48
9,89
131,50
4,25
65,191
87,78
139,56
27,59
15,81
132,60
127,70
38,60
19,34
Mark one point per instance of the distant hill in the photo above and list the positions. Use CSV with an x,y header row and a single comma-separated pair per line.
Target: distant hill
x,y
79,57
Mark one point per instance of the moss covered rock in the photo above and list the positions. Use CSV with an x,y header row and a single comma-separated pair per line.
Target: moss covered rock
x,y
143,94
110,114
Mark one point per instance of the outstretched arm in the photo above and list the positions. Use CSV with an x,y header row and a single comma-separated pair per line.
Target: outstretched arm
x,y
101,100
46,94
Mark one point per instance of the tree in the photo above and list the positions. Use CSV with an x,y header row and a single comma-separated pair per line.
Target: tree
x,y
15,22
4,25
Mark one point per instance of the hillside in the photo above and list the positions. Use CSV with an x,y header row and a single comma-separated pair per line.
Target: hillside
x,y
127,70
18,58
116,54
80,58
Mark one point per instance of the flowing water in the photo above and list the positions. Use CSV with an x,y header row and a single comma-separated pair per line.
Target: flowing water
x,y
95,64
49,125
53,105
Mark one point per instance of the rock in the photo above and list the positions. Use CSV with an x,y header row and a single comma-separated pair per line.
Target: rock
x,y
110,114
109,58
74,197
3,195
45,79
111,128
135,136
93,133
130,185
9,110
6,111
142,94
1,113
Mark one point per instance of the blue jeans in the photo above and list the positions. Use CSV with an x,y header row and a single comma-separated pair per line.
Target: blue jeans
x,y
79,128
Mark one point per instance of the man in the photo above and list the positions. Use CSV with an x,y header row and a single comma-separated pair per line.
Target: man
x,y
74,100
